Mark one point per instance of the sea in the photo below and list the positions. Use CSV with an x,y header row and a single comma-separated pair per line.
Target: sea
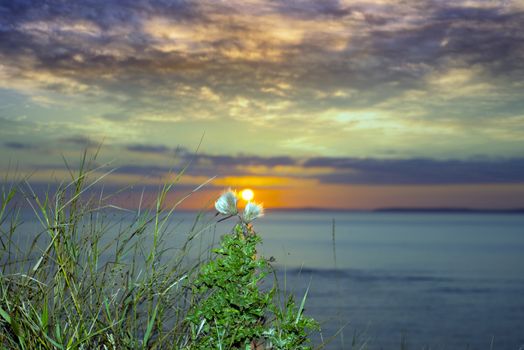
x,y
379,280
396,280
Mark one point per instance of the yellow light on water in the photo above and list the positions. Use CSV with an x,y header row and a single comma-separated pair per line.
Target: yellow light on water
x,y
247,194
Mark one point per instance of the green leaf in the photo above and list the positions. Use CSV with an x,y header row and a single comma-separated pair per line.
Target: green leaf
x,y
58,346
57,333
45,317
5,315
301,309
149,327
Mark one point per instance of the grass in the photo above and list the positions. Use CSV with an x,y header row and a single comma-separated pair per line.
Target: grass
x,y
84,280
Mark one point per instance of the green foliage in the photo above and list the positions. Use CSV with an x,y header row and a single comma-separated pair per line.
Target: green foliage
x,y
290,330
85,281
232,312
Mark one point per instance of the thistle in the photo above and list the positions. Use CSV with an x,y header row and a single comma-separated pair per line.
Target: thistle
x,y
226,204
252,211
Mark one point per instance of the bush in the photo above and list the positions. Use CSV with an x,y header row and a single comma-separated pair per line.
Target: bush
x,y
230,310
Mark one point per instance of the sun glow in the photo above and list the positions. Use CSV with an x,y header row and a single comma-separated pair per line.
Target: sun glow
x,y
247,194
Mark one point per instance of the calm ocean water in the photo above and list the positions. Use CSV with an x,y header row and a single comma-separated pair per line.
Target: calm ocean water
x,y
440,281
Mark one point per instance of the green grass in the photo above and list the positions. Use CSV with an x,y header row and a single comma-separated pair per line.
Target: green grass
x,y
86,281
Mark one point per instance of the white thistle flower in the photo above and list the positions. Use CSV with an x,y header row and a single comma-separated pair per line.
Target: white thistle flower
x,y
252,211
227,203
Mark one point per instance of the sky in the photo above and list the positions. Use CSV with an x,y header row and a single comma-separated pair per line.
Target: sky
x,y
330,104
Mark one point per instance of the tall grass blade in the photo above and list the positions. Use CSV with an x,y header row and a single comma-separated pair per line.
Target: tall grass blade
x,y
302,303
149,327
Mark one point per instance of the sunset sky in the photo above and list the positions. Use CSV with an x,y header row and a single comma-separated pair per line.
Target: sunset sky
x,y
333,104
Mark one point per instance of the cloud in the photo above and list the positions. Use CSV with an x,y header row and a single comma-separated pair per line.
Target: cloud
x,y
339,170
201,159
274,64
148,148
19,145
419,171
206,38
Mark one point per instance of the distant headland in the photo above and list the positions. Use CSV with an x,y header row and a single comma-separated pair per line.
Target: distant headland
x,y
435,210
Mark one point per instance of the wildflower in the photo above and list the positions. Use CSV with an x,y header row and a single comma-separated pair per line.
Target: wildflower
x,y
252,211
227,203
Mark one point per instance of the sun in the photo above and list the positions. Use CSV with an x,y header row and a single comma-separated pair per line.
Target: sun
x,y
247,194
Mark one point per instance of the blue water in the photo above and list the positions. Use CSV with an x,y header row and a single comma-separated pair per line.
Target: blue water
x,y
438,281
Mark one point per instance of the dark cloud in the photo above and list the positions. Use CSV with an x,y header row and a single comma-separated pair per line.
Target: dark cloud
x,y
343,170
485,36
148,148
313,9
19,145
419,171
213,161
116,117
378,55
488,36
